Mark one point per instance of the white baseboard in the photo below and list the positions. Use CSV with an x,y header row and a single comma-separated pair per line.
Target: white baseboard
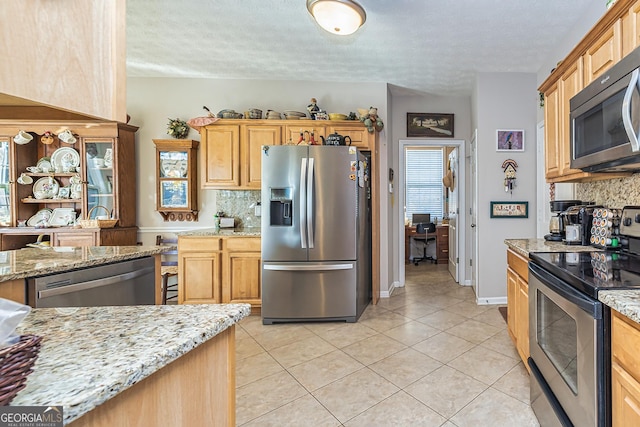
x,y
491,301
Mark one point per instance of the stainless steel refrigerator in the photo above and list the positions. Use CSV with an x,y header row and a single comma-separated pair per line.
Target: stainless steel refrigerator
x,y
316,233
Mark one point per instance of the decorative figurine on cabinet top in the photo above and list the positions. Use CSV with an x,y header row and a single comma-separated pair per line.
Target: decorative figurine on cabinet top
x,y
313,108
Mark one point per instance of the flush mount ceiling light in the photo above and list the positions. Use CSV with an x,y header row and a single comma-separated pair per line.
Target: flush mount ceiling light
x,y
341,17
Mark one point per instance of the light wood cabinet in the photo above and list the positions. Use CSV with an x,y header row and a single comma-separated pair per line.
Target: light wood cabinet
x,y
631,29
231,149
603,53
552,132
518,303
219,270
625,371
199,270
570,84
242,271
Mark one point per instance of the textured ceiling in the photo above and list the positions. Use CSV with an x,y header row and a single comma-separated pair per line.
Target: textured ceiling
x,y
434,46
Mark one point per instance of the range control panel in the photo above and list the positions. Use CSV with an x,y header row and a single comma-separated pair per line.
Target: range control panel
x,y
630,221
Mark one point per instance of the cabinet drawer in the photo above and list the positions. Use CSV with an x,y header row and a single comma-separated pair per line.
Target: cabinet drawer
x,y
625,343
250,244
518,263
199,244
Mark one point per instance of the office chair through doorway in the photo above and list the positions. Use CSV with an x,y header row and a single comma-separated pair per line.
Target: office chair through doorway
x,y
425,228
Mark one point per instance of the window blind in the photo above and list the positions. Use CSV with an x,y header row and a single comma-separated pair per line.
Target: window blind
x,y
423,182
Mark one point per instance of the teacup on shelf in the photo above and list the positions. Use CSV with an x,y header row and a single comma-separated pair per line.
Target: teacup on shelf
x,y
34,169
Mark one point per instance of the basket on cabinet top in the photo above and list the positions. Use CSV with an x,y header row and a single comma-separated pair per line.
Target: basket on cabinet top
x,y
98,223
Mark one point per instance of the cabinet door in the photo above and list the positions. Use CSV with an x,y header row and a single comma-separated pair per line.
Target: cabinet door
x,y
631,29
625,397
242,278
552,132
512,306
253,138
570,84
220,154
74,239
304,129
602,54
100,177
359,135
199,278
522,320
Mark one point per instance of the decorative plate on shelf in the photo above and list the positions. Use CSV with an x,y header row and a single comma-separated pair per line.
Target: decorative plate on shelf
x,y
47,186
65,158
61,217
40,217
44,164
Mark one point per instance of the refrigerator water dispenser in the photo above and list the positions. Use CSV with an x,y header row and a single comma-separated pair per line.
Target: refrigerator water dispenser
x,y
281,207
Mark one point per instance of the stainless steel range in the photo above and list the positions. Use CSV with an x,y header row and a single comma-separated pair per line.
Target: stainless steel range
x,y
569,328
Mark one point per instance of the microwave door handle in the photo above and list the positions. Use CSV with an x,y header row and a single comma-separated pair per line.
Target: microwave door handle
x,y
626,110
302,202
310,197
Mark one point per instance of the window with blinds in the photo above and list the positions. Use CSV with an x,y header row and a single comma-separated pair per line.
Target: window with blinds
x,y
424,192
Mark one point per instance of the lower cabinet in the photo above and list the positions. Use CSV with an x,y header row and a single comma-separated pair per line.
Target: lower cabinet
x,y
219,270
518,303
625,371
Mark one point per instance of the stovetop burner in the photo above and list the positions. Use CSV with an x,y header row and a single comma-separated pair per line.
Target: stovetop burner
x,y
591,272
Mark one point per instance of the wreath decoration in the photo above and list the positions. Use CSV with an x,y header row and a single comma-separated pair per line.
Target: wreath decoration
x,y
178,128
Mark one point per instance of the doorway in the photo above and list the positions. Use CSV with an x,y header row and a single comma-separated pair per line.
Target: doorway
x,y
458,202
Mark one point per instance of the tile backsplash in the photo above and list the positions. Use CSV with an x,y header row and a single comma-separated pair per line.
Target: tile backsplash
x,y
612,193
239,204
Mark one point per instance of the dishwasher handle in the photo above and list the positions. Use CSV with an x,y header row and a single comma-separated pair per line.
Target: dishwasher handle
x,y
90,284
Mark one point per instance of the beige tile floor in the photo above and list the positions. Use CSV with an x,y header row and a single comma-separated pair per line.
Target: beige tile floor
x,y
426,356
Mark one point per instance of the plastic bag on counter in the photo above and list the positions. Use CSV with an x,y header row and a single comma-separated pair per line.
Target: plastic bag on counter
x,y
11,314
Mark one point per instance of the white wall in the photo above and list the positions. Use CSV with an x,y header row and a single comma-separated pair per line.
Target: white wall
x,y
414,102
503,101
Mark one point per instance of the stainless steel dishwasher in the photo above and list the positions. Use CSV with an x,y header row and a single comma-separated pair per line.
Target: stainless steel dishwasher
x,y
129,282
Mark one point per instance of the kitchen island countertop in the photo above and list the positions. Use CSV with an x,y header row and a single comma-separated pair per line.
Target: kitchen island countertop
x,y
91,354
31,262
626,302
222,232
526,246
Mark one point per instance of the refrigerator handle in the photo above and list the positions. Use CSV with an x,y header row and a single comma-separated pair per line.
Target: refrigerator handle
x,y
310,212
303,206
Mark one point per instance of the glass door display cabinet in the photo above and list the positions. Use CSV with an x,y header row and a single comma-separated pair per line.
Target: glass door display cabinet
x,y
176,189
55,173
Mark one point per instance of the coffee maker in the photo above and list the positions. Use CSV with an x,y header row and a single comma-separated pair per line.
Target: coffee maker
x,y
557,222
577,223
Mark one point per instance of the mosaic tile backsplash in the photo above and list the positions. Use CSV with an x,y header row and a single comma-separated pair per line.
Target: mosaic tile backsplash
x,y
612,193
239,204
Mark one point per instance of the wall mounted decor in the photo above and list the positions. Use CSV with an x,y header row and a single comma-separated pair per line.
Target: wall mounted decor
x,y
430,125
509,140
176,177
509,166
509,209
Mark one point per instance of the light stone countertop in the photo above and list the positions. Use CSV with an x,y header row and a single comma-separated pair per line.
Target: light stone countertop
x,y
626,302
222,232
30,262
525,246
90,354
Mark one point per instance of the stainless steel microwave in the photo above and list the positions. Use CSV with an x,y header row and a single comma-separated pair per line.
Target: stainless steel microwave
x,y
605,120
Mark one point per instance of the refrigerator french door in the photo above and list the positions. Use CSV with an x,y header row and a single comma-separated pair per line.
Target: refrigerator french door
x,y
315,233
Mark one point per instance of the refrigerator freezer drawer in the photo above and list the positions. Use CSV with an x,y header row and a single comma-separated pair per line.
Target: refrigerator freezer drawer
x,y
308,291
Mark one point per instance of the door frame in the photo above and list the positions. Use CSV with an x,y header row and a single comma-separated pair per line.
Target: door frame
x,y
461,181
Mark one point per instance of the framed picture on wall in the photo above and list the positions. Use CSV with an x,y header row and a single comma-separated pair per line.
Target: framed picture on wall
x,y
509,140
430,125
509,209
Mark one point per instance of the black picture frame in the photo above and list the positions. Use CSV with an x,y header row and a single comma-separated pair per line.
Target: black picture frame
x,y
509,210
430,125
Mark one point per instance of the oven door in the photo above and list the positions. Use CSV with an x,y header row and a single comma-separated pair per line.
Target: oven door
x,y
566,333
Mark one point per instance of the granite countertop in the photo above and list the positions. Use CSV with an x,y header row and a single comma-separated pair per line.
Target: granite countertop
x,y
30,262
222,232
626,302
525,246
91,354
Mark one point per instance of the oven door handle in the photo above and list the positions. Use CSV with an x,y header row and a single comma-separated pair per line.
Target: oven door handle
x,y
585,303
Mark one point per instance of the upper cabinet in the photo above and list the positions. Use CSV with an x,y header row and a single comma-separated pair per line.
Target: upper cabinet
x,y
89,78
231,148
614,35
